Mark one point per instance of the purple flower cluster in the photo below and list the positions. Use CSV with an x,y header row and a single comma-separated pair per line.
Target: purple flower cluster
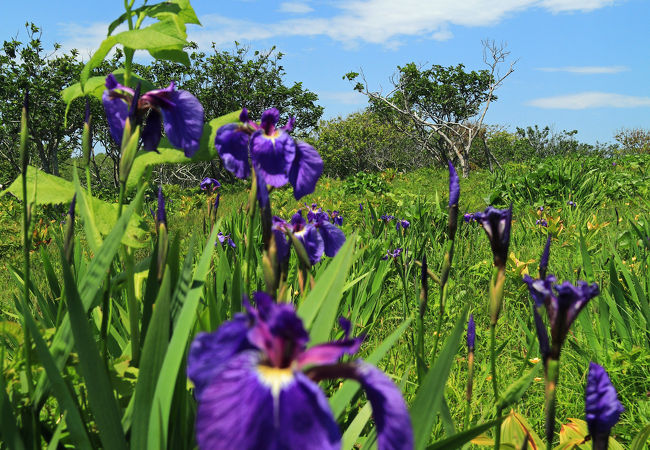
x,y
275,156
542,222
394,254
469,217
317,235
256,384
404,224
386,217
179,111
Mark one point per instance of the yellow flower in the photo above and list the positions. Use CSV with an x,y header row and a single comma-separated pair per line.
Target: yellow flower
x,y
534,360
537,378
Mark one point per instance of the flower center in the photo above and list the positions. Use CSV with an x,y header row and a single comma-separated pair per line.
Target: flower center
x,y
274,377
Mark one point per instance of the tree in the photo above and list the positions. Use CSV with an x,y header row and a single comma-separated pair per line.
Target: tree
x,y
635,140
441,108
25,67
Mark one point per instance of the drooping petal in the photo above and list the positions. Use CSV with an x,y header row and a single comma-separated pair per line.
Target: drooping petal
x,y
151,133
306,169
333,238
209,351
278,226
232,145
540,289
313,242
602,407
273,155
209,183
117,110
248,405
183,119
572,299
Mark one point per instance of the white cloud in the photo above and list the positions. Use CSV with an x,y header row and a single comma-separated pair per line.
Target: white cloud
x,y
295,8
85,38
586,70
586,100
356,21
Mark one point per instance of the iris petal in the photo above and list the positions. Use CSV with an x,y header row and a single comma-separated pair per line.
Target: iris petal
x,y
306,169
151,133
116,113
183,118
273,155
333,238
232,145
209,351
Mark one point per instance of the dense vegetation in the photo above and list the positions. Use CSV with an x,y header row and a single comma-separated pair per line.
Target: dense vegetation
x,y
111,278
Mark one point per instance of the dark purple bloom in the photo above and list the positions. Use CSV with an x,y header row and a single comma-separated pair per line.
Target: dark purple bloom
x,y
335,217
361,207
72,207
454,185
394,254
496,223
275,154
256,385
225,238
542,222
543,261
402,224
541,208
161,215
470,217
387,218
602,407
209,183
571,203
178,110
215,207
471,333
563,302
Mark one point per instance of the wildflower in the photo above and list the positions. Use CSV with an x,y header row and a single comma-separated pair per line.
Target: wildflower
x,y
179,111
496,223
223,238
394,254
161,215
402,224
209,183
541,208
602,407
387,218
563,303
470,217
542,222
336,218
454,186
256,384
471,333
274,154
317,235
360,207
571,203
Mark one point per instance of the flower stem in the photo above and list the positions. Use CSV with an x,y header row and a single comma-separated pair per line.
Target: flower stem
x,y
470,384
252,209
495,387
552,376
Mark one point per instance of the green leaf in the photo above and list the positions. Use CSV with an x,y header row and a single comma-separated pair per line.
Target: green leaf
x,y
640,440
319,309
98,386
168,154
517,389
342,398
60,389
355,428
51,190
159,11
428,400
8,425
97,58
458,439
162,401
153,353
586,260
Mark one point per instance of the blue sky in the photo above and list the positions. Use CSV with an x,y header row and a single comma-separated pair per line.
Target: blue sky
x,y
581,64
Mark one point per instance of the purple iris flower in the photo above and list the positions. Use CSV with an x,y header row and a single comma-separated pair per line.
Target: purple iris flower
x,y
361,207
256,385
394,254
602,407
275,155
571,203
402,224
563,303
470,217
336,218
542,222
471,333
179,111
223,238
387,218
209,183
454,185
497,223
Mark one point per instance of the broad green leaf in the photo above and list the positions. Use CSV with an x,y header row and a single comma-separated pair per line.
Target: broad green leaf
x,y
640,440
162,401
159,11
168,154
160,35
355,428
426,406
97,58
51,189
